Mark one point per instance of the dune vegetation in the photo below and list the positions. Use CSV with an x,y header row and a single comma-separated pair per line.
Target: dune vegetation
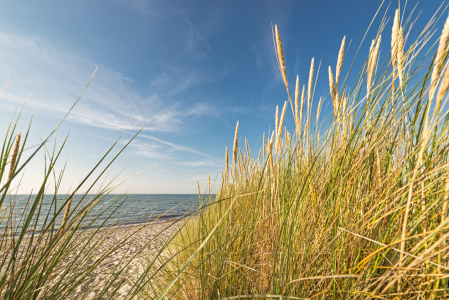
x,y
350,206
347,205
57,253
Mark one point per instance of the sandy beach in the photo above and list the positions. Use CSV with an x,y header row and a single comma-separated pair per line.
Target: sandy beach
x,y
143,245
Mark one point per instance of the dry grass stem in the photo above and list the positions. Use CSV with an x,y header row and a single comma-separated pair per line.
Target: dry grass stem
x,y
236,146
15,152
371,173
341,54
400,60
263,145
318,110
309,89
297,102
281,56
301,111
394,38
67,209
374,51
332,92
439,58
227,166
276,123
279,129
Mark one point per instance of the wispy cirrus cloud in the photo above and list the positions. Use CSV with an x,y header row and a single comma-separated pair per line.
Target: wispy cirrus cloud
x,y
55,77
173,146
204,163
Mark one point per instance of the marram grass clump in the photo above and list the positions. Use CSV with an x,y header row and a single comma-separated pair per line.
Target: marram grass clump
x,y
350,207
53,253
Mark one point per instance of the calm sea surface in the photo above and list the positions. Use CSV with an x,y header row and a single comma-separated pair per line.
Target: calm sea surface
x,y
131,209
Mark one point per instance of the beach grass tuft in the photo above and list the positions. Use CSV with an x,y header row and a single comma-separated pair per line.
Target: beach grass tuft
x,y
354,207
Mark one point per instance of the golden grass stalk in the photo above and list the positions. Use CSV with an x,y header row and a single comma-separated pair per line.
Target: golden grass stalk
x,y
400,60
279,129
394,45
247,148
297,101
369,75
444,87
340,60
344,102
374,51
318,110
227,166
287,137
281,56
198,186
439,59
446,190
394,38
270,151
67,209
15,152
301,111
263,145
223,180
332,92
276,123
236,145
309,88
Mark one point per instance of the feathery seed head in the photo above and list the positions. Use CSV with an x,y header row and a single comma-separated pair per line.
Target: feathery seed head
x,y
302,102
439,58
15,152
444,86
394,37
340,60
67,209
198,185
281,56
281,124
318,110
309,89
344,102
234,157
332,90
296,98
374,51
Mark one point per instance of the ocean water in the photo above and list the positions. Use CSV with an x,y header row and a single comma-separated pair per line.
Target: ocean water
x,y
111,209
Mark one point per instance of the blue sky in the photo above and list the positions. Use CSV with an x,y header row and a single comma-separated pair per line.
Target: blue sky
x,y
193,68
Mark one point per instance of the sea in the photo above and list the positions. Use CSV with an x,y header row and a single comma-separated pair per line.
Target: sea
x,y
110,210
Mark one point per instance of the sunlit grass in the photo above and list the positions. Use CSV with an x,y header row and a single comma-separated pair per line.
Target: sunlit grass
x,y
354,206
44,258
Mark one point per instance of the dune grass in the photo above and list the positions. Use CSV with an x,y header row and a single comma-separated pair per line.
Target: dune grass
x,y
53,253
354,206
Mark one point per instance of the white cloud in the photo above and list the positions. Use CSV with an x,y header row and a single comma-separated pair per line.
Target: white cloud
x,y
204,163
56,78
